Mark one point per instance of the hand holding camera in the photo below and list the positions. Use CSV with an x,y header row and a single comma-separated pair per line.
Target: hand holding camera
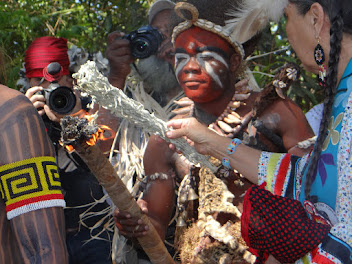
x,y
122,50
55,101
144,41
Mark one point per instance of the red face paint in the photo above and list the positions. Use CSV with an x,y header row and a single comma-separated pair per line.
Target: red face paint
x,y
202,64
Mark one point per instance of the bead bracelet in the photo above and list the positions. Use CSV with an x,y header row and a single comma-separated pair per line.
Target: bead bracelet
x,y
231,148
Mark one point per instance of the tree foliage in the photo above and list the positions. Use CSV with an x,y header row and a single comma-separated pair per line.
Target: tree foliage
x,y
271,54
86,23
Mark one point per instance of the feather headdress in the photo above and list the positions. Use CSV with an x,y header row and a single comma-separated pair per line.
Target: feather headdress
x,y
243,22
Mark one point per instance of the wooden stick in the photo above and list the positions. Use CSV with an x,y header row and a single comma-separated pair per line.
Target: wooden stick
x,y
121,197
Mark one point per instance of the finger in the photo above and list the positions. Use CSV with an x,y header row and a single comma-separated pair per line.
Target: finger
x,y
122,215
130,224
41,112
175,123
180,132
144,209
38,104
137,231
37,97
121,50
172,146
114,35
190,142
51,115
31,91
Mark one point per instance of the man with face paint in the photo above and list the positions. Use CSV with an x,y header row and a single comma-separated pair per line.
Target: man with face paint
x,y
209,65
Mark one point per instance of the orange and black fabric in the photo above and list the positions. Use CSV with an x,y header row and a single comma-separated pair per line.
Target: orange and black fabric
x,y
278,226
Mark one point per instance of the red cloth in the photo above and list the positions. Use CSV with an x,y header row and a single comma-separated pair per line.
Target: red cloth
x,y
42,52
278,226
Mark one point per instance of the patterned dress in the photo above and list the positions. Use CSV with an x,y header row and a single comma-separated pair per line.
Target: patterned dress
x,y
331,190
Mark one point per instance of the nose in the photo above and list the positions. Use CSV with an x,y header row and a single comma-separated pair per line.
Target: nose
x,y
192,66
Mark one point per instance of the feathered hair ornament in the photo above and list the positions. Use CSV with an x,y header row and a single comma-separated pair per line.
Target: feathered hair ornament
x,y
244,21
252,17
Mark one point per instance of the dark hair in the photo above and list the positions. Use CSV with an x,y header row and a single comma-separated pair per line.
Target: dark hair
x,y
339,12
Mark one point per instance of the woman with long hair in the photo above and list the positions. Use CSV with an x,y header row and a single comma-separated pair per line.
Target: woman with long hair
x,y
301,210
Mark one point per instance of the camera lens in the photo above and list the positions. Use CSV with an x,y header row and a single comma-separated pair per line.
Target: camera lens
x,y
62,100
142,48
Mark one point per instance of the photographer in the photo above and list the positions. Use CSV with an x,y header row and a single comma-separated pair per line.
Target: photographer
x,y
156,70
80,187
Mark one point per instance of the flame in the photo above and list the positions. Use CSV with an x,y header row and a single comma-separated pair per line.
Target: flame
x,y
100,135
68,147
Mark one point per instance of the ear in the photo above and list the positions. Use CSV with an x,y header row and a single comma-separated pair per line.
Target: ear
x,y
235,62
317,18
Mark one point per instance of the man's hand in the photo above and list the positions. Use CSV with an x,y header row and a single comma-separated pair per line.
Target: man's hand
x,y
38,102
119,55
131,227
36,98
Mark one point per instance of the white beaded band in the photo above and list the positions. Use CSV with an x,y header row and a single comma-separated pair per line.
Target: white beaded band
x,y
204,24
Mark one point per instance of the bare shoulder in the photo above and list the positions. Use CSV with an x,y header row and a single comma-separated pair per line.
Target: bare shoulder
x,y
285,107
7,93
23,133
13,98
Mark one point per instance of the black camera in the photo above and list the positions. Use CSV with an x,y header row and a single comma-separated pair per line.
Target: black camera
x,y
60,99
144,41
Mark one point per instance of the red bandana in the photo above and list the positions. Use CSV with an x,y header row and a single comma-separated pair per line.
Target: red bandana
x,y
42,52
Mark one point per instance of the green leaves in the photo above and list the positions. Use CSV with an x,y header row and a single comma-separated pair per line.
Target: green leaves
x,y
86,23
272,53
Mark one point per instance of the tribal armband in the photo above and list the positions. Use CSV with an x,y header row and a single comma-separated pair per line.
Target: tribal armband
x,y
29,185
155,176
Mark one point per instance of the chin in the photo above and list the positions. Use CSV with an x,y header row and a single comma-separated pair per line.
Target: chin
x,y
201,98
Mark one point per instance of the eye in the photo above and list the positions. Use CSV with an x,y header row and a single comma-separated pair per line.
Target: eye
x,y
179,57
206,56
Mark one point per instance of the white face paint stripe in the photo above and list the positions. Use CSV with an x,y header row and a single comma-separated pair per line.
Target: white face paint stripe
x,y
209,67
181,60
214,55
210,70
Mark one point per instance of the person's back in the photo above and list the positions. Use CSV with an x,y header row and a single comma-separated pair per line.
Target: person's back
x,y
31,221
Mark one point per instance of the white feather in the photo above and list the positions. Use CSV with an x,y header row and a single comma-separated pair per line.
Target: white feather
x,y
253,16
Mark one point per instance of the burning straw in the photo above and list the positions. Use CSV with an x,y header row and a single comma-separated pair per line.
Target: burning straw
x,y
78,132
91,81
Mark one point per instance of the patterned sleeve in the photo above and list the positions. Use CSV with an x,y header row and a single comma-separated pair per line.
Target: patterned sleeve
x,y
29,178
29,185
281,173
